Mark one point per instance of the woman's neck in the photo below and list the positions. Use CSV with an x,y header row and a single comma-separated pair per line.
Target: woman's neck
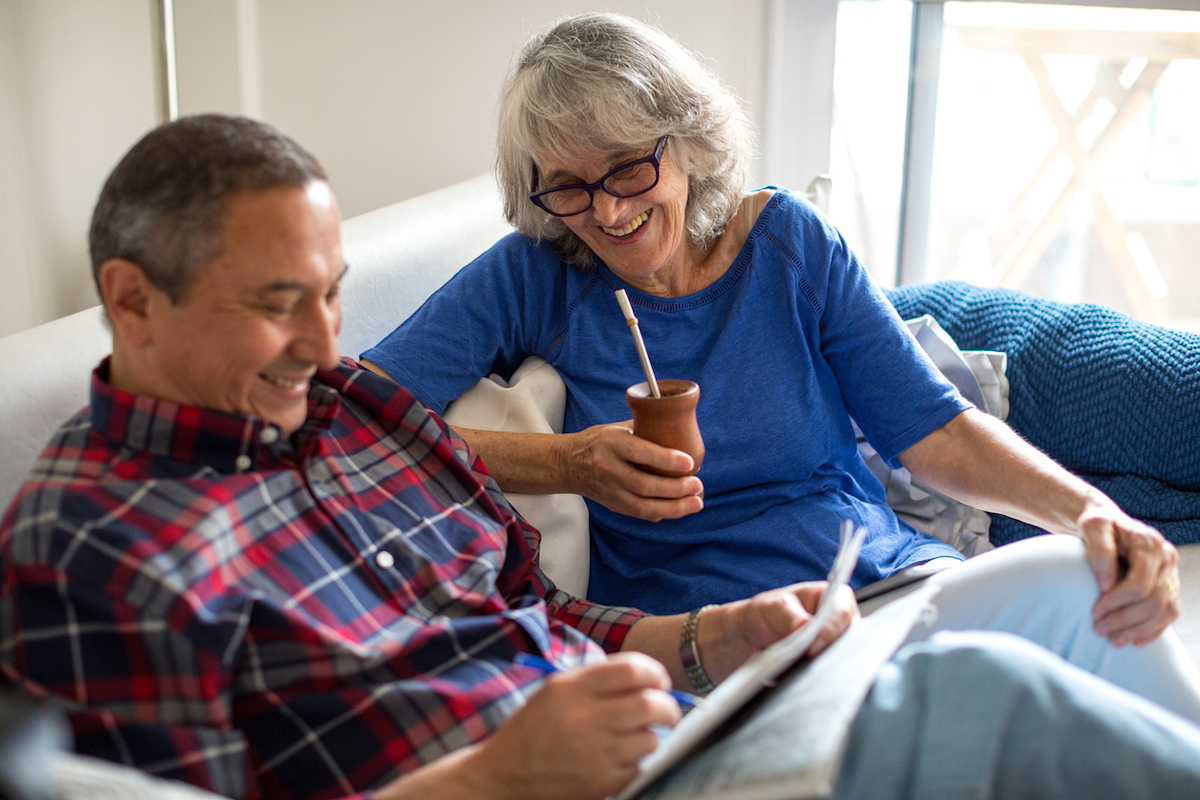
x,y
705,267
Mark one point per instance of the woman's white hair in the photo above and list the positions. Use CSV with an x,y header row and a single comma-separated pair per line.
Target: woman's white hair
x,y
610,84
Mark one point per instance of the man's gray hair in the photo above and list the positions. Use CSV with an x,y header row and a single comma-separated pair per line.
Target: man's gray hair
x,y
610,84
163,206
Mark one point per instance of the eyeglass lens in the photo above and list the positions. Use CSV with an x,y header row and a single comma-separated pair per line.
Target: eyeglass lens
x,y
627,182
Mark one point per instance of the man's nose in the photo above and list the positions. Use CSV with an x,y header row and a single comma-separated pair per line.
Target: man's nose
x,y
317,341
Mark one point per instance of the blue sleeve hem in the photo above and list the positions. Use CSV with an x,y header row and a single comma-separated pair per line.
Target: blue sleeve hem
x,y
891,449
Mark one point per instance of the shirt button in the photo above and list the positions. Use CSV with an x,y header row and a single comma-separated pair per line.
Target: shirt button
x,y
269,435
242,463
384,559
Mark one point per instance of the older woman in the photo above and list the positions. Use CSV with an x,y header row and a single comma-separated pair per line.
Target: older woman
x,y
623,166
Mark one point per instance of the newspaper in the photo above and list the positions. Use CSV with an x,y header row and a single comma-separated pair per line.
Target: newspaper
x,y
775,729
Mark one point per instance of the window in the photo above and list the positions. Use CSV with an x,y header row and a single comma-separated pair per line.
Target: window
x,y
1053,149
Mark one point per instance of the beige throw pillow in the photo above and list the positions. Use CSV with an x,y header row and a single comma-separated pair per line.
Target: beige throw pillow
x,y
534,402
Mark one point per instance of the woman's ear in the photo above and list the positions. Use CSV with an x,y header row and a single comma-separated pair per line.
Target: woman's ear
x,y
125,291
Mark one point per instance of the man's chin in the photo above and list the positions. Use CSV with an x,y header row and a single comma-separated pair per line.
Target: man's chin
x,y
288,419
292,422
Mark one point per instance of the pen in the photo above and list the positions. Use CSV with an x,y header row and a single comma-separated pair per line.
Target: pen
x,y
539,663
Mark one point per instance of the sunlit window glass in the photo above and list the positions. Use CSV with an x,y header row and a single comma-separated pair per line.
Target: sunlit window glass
x,y
1067,155
870,87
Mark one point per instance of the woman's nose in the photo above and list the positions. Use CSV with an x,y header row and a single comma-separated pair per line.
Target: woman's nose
x,y
606,209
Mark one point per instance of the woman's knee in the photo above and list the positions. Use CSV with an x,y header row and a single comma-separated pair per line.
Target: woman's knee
x,y
1020,588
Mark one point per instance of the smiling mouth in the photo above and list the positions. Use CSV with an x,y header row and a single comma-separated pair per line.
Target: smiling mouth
x,y
629,228
281,382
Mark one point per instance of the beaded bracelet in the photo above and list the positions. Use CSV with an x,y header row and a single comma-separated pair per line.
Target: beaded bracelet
x,y
689,653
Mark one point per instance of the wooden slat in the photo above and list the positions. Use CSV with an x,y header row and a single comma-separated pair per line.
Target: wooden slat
x,y
1159,45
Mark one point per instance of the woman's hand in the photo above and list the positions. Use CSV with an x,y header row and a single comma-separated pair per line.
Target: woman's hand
x,y
978,459
601,462
581,735
729,634
1134,608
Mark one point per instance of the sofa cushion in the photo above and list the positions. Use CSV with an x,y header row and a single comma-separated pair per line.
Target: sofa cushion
x,y
47,371
1113,399
979,375
534,402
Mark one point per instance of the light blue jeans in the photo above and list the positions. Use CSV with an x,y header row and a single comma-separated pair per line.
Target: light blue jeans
x,y
1013,695
983,714
1043,590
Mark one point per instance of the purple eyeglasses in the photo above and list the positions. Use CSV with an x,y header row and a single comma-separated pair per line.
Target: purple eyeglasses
x,y
626,180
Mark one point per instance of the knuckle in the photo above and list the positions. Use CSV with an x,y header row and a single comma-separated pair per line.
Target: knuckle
x,y
641,482
1174,606
624,670
645,743
597,783
645,706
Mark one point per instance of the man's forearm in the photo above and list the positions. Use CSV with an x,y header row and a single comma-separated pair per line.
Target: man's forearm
x,y
451,777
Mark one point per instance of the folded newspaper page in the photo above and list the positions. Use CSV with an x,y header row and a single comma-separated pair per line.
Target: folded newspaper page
x,y
776,728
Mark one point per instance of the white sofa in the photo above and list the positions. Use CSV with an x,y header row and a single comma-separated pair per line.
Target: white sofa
x,y
398,256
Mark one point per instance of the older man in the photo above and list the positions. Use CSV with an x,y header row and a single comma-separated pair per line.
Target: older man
x,y
250,565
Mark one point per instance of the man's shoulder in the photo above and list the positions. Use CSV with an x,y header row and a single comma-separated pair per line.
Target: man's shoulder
x,y
82,481
75,454
376,409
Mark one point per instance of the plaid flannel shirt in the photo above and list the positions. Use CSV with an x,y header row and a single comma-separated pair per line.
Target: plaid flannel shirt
x,y
284,617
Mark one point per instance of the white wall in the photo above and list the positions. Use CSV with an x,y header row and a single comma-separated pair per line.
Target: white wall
x,y
76,89
396,97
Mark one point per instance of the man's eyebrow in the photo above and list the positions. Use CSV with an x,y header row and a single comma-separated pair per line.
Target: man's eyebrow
x,y
298,286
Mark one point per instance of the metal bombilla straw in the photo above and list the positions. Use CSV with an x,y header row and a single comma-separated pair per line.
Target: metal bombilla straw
x,y
632,322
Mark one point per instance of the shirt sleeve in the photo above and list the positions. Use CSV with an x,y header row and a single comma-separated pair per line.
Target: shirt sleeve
x,y
488,318
607,626
151,678
111,667
889,385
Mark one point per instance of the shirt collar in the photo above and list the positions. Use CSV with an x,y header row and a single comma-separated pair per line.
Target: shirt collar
x,y
226,442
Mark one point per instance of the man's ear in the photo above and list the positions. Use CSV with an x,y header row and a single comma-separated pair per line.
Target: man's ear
x,y
126,292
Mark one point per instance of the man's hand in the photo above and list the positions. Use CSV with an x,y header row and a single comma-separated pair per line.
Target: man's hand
x,y
600,462
1138,606
581,735
729,634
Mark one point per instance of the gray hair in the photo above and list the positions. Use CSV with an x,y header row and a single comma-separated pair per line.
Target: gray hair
x,y
163,206
608,83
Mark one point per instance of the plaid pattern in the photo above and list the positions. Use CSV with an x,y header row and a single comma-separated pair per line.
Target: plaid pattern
x,y
260,616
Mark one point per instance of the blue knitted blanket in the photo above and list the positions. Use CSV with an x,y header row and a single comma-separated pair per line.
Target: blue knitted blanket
x,y
1114,400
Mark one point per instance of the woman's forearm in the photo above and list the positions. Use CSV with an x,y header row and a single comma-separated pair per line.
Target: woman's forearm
x,y
602,462
979,460
530,463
